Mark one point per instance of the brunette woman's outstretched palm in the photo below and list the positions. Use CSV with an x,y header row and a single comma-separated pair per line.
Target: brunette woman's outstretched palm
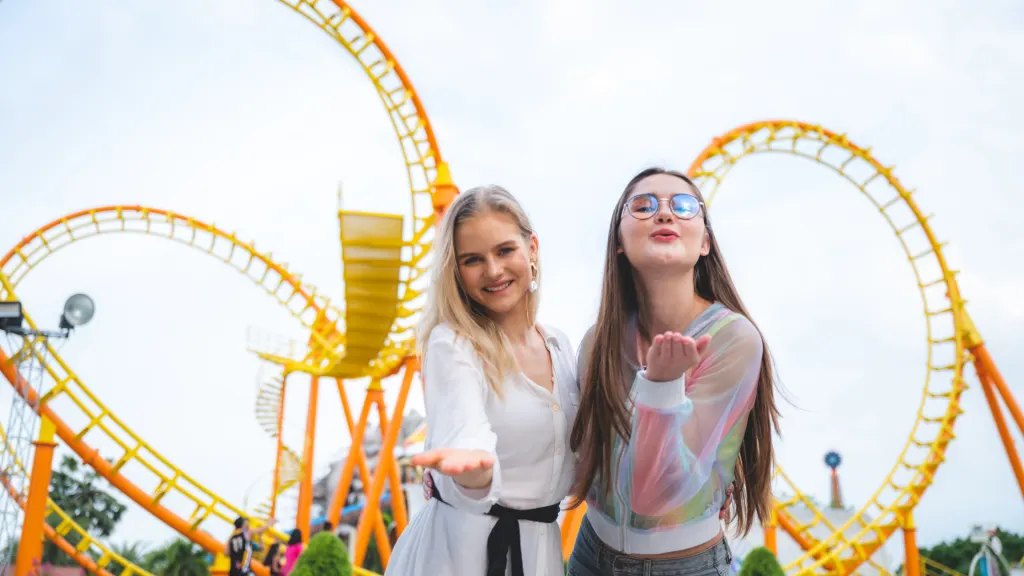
x,y
671,354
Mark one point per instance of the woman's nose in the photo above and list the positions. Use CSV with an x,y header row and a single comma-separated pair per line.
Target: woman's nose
x,y
493,268
664,214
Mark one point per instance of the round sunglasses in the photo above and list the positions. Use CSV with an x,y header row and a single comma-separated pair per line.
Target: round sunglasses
x,y
644,206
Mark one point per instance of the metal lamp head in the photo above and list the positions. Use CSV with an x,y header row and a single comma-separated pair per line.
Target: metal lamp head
x,y
78,310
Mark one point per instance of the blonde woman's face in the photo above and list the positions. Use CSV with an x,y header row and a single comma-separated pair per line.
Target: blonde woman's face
x,y
494,261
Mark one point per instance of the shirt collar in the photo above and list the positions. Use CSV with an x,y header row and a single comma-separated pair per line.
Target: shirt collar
x,y
549,338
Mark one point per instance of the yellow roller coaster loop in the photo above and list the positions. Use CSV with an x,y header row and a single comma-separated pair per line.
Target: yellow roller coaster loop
x,y
431,188
889,508
196,504
70,537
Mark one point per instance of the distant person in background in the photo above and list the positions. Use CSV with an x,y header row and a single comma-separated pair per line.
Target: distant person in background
x,y
327,526
275,559
240,546
292,550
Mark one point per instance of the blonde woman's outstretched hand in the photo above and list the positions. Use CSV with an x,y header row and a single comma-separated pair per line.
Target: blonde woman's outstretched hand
x,y
470,468
671,354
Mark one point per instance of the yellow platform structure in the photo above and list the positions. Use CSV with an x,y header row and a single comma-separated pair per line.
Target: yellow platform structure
x,y
371,253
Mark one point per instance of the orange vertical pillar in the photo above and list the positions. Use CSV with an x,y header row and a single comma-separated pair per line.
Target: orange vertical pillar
x,y
571,521
398,511
357,460
306,485
912,556
383,464
356,455
770,531
982,364
30,548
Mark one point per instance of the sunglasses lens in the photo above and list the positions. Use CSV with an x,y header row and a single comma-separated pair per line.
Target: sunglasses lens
x,y
643,206
685,206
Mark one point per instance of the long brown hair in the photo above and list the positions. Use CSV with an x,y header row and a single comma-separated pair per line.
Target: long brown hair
x,y
603,412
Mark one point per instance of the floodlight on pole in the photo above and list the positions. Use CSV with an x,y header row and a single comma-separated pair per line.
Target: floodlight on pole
x,y
78,311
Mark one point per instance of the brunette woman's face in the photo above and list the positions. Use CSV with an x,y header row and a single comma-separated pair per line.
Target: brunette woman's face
x,y
662,243
494,261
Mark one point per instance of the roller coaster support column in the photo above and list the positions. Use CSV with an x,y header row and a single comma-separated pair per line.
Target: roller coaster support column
x,y
306,486
570,528
443,190
385,465
991,383
30,549
912,557
770,530
397,503
357,458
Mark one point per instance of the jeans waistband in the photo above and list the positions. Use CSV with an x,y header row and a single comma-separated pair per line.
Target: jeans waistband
x,y
695,563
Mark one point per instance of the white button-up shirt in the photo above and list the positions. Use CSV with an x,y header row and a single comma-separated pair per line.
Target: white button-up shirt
x,y
528,432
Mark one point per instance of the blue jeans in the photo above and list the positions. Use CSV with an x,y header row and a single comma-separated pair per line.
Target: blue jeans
x,y
591,557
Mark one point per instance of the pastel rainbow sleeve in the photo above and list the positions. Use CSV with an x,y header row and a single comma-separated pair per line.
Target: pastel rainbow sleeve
x,y
678,426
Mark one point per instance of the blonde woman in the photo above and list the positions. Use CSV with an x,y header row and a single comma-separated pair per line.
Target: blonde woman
x,y
496,387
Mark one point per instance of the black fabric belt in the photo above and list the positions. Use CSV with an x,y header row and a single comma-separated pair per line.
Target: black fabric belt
x,y
504,537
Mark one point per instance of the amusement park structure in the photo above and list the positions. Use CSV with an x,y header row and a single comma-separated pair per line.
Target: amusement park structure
x,y
368,339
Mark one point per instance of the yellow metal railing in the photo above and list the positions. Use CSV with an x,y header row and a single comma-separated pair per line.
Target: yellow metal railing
x,y
854,542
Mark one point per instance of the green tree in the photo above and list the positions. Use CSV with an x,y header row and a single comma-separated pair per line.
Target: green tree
x,y
81,493
761,562
179,557
324,556
134,552
958,553
372,560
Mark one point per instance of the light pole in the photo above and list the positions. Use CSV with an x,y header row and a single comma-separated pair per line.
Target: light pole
x,y
78,311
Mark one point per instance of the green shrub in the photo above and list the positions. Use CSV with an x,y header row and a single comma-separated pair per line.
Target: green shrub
x,y
324,556
761,562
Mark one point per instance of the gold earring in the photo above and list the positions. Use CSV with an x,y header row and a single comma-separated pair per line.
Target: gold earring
x,y
533,281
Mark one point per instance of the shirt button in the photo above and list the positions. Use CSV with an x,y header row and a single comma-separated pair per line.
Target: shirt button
x,y
555,407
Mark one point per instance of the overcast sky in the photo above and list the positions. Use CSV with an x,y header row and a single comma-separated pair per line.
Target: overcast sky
x,y
242,113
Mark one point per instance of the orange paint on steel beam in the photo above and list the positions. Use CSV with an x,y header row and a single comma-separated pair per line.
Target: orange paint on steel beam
x,y
1004,431
397,493
570,528
982,356
91,457
355,450
803,541
30,548
912,556
771,533
306,482
356,458
386,457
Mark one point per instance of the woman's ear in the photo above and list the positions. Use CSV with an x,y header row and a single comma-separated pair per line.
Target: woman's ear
x,y
705,246
534,247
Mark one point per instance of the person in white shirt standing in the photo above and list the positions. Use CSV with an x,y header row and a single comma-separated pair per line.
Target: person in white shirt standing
x,y
497,384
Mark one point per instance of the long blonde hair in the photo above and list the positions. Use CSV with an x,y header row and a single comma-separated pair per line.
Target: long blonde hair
x,y
448,303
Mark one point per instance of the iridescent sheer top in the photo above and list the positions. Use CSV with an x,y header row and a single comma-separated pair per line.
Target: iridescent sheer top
x,y
669,480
